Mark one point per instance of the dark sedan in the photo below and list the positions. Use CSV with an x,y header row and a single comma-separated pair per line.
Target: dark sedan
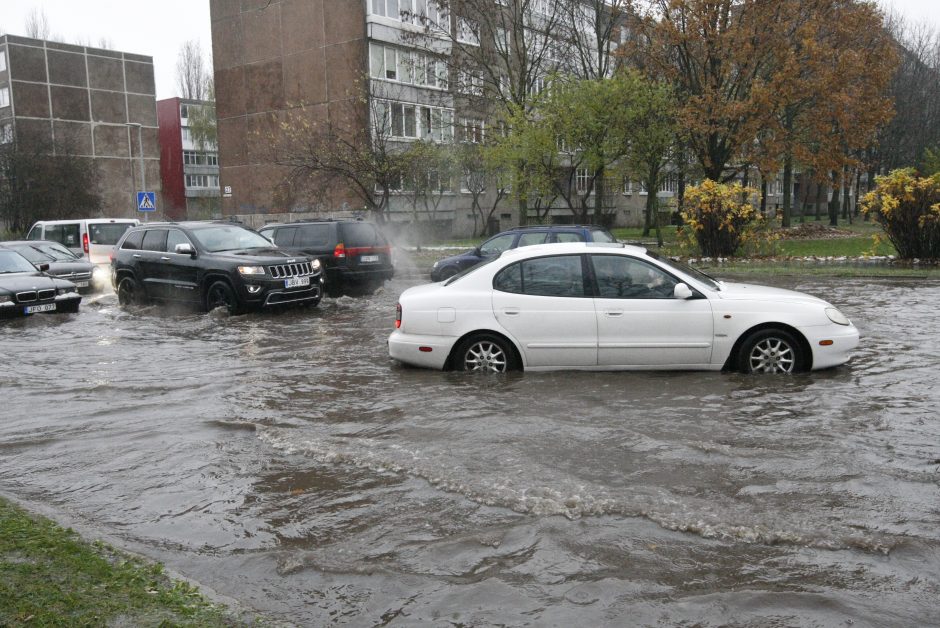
x,y
24,290
63,264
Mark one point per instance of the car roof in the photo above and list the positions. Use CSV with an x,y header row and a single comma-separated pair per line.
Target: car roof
x,y
318,221
30,242
192,224
560,248
553,228
65,222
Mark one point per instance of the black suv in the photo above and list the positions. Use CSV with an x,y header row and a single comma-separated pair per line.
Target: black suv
x,y
355,255
516,237
210,265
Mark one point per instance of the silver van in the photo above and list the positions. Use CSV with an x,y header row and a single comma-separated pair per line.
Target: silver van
x,y
90,238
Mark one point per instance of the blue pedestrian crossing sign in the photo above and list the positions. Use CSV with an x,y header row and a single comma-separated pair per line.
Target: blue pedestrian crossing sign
x,y
146,201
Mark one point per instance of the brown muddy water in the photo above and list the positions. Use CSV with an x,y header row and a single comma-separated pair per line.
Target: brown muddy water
x,y
280,459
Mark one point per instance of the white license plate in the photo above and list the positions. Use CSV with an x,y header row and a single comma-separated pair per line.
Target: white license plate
x,y
81,284
48,307
369,259
296,282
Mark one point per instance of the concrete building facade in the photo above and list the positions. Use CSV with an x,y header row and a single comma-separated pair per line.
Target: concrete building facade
x,y
189,168
89,102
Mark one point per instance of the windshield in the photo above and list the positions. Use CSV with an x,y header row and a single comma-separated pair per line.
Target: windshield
x,y
229,238
107,233
56,251
13,262
708,280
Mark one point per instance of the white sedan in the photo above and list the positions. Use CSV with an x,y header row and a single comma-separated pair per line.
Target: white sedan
x,y
612,307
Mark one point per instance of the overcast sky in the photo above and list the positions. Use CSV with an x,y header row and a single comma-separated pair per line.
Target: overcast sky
x,y
158,28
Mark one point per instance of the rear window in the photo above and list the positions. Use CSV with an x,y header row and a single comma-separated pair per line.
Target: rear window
x,y
107,234
602,235
359,234
67,234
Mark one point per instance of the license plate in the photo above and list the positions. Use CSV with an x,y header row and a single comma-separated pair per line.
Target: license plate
x,y
47,307
369,259
81,284
296,282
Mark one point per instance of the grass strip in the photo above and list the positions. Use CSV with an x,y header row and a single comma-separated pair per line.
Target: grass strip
x,y
49,576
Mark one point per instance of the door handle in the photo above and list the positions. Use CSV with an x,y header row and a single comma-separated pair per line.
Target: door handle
x,y
614,313
511,311
164,259
137,255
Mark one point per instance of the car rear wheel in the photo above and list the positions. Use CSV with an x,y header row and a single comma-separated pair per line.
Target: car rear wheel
x,y
771,351
129,292
220,294
485,353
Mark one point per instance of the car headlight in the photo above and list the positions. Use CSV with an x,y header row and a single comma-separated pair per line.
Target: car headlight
x,y
63,290
316,264
96,273
837,317
436,264
5,298
251,270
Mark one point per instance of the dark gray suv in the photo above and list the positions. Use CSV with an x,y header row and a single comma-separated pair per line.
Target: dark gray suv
x,y
210,265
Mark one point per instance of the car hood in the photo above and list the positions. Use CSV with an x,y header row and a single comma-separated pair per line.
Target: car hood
x,y
750,292
262,256
20,282
468,254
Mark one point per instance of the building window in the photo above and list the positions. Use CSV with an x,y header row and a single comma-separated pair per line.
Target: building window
x,y
422,12
582,180
195,158
4,97
184,111
468,31
469,83
3,60
411,121
205,181
6,134
471,130
406,66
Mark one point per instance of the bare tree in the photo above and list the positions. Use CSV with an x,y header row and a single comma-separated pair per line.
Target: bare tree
x,y
192,77
37,24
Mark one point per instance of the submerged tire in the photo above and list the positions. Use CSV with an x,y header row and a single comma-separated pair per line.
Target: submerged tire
x,y
129,292
771,351
220,294
485,353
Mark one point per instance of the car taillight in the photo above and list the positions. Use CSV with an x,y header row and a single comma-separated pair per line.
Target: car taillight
x,y
340,251
398,316
85,242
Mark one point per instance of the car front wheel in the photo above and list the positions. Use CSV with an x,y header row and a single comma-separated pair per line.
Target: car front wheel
x,y
220,294
771,351
485,353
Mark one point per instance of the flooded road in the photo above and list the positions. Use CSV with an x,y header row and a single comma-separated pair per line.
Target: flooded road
x,y
283,461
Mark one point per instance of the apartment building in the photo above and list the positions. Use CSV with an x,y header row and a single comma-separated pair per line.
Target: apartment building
x,y
315,60
189,163
91,102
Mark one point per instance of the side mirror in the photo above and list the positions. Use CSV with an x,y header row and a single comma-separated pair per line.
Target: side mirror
x,y
43,267
682,291
185,248
476,251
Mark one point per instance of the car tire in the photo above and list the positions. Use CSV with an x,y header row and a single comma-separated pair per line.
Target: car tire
x,y
771,351
220,294
448,272
485,353
129,292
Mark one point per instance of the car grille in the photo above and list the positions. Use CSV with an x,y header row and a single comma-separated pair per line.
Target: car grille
x,y
75,276
290,270
33,295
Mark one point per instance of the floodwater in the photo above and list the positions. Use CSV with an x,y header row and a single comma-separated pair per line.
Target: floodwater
x,y
282,460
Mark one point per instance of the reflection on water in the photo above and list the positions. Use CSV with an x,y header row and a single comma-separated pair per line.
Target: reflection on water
x,y
281,459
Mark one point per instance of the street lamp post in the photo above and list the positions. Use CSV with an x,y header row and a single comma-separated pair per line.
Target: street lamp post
x,y
140,152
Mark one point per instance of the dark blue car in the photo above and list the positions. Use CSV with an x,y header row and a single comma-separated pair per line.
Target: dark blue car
x,y
520,236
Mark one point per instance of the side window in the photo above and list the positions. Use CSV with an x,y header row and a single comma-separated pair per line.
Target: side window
x,y
174,237
35,233
509,279
601,235
558,276
285,236
133,241
315,236
569,236
620,277
496,245
155,240
528,239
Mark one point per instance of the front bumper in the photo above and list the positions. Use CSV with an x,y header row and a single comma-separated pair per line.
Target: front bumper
x,y
63,303
260,292
425,351
840,341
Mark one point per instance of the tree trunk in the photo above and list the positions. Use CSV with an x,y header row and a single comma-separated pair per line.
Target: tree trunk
x,y
835,202
821,189
599,196
787,190
763,195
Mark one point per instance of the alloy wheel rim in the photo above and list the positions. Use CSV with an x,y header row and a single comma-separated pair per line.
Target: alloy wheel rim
x,y
772,355
486,356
